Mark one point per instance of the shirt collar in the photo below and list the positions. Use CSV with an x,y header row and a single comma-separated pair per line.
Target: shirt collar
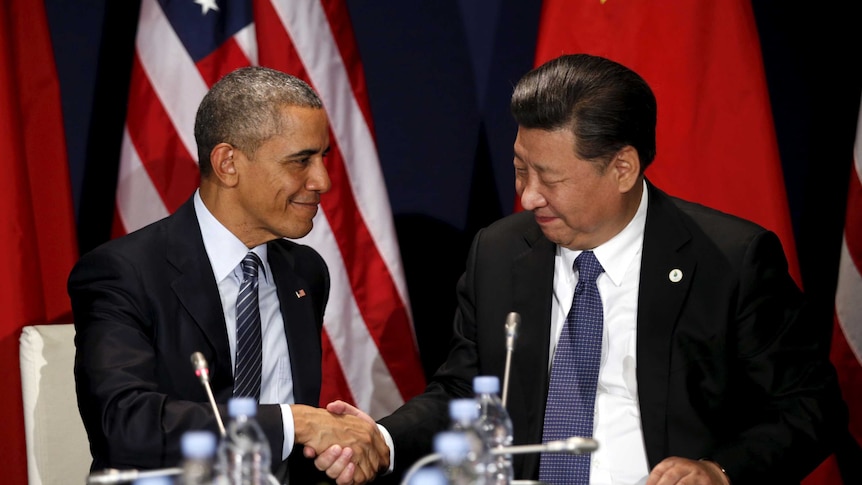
x,y
224,249
616,254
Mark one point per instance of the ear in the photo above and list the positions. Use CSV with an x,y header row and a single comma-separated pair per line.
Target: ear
x,y
627,168
223,163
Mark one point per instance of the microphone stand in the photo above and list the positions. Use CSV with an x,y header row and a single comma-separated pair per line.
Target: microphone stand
x,y
203,373
512,321
112,475
575,445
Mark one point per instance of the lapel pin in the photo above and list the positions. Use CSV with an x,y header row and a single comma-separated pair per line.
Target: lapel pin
x,y
300,293
675,275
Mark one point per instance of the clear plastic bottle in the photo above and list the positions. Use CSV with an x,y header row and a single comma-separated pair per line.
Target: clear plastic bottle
x,y
454,450
199,450
464,414
244,455
495,428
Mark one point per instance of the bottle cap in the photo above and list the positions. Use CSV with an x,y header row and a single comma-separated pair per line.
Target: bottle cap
x,y
198,444
486,384
428,476
463,410
452,446
241,406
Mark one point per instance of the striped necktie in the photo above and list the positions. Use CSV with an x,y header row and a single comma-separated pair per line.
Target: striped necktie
x,y
246,381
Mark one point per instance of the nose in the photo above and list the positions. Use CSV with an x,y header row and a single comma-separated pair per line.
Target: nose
x,y
531,197
318,178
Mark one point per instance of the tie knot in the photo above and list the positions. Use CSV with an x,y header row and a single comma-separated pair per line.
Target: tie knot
x,y
250,263
588,267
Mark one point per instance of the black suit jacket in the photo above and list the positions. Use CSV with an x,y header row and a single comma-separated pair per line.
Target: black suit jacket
x,y
729,366
142,305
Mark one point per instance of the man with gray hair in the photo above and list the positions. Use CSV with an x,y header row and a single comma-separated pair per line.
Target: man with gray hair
x,y
145,302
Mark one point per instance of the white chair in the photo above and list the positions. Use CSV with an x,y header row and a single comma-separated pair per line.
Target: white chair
x,y
58,452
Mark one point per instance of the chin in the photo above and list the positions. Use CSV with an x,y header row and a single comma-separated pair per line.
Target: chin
x,y
552,235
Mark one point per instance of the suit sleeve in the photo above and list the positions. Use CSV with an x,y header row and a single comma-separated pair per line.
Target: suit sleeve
x,y
413,425
794,408
130,422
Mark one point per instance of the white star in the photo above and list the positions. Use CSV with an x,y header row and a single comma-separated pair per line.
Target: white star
x,y
207,5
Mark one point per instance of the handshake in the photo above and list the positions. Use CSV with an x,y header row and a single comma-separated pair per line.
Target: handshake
x,y
344,442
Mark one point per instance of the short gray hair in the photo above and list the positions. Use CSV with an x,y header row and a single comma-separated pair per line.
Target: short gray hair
x,y
243,109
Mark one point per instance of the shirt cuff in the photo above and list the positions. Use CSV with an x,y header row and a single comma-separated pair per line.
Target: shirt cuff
x,y
289,431
388,438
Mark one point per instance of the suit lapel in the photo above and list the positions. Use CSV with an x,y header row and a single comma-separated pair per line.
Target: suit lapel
x,y
303,335
533,286
667,270
197,290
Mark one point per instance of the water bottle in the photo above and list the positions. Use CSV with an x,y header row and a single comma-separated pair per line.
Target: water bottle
x,y
464,414
244,455
495,428
199,449
454,449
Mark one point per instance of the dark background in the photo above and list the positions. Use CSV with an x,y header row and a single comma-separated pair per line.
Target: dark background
x,y
439,75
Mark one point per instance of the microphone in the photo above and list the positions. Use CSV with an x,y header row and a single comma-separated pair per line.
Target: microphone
x,y
112,475
512,321
203,372
575,445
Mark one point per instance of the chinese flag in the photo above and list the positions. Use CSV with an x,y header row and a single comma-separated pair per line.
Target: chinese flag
x,y
37,227
716,139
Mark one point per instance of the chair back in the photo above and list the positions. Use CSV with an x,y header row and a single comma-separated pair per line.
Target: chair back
x,y
58,452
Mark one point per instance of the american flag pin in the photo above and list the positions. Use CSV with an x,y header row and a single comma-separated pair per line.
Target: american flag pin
x,y
300,293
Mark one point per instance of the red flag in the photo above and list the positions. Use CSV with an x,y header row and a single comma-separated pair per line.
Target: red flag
x,y
370,352
716,139
37,231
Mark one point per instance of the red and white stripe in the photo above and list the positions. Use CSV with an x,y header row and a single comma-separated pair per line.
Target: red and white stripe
x,y
370,352
847,339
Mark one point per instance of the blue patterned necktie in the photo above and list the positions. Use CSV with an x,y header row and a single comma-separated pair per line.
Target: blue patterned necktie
x,y
574,377
246,378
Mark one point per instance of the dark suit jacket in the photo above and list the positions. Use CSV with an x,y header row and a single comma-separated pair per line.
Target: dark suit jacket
x,y
142,305
728,364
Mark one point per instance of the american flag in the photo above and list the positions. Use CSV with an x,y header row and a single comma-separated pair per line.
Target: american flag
x,y
847,337
370,356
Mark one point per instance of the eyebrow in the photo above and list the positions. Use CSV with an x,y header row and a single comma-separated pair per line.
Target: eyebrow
x,y
539,167
308,152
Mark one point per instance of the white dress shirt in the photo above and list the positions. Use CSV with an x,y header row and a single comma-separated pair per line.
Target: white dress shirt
x,y
226,252
621,456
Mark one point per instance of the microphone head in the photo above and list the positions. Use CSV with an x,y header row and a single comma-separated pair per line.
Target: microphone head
x,y
577,445
512,321
200,364
112,475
